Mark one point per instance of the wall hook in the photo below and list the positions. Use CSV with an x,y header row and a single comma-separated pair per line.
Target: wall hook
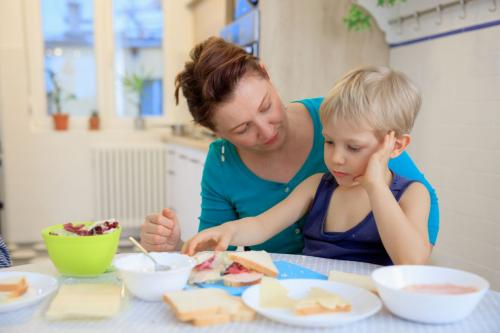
x,y
439,15
493,7
462,4
417,21
400,25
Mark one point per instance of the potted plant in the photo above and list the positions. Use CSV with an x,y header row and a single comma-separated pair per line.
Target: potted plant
x,y
134,84
60,118
94,122
358,19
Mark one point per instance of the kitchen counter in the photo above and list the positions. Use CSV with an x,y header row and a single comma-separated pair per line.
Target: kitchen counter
x,y
200,143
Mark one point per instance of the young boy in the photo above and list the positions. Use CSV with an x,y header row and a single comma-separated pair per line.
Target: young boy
x,y
360,210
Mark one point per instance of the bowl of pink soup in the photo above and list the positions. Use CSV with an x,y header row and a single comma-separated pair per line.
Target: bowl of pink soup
x,y
429,294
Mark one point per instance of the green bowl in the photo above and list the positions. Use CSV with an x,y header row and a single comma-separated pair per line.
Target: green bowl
x,y
81,255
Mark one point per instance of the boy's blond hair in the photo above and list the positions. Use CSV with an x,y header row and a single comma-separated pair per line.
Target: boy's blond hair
x,y
386,99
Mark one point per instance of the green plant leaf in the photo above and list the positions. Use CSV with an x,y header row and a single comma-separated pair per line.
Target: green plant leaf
x,y
358,19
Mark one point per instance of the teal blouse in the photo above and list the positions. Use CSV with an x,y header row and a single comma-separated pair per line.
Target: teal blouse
x,y
231,191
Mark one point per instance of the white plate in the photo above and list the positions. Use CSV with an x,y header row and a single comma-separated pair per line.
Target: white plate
x,y
364,303
40,286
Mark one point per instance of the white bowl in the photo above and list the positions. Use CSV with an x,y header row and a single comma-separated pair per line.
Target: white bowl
x,y
137,271
428,307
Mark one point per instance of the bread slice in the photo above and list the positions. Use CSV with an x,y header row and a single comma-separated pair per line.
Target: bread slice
x,y
259,261
242,279
208,306
85,300
14,288
237,310
212,319
231,308
357,280
190,304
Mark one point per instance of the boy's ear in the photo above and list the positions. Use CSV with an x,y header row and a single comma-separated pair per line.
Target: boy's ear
x,y
262,66
402,141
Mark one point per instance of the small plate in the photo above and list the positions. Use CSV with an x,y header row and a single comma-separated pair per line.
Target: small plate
x,y
40,286
363,302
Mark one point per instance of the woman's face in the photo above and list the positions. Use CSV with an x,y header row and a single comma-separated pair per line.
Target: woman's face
x,y
254,117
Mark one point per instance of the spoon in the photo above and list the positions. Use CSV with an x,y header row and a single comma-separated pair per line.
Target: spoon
x,y
158,266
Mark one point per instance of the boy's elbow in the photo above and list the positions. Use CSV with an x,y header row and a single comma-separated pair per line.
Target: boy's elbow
x,y
411,261
414,259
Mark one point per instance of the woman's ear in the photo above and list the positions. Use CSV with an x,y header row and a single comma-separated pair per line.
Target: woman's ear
x,y
402,141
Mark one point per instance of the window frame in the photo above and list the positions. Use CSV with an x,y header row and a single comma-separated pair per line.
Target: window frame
x,y
104,49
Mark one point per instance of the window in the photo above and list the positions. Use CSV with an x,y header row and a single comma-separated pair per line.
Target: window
x,y
87,48
138,32
70,69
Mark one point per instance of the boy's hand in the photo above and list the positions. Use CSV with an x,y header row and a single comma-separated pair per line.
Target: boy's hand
x,y
377,165
216,239
161,232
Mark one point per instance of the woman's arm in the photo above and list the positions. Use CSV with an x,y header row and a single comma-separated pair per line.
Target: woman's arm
x,y
255,230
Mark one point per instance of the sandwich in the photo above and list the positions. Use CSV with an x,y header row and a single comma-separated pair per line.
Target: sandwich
x,y
13,288
248,268
209,266
235,269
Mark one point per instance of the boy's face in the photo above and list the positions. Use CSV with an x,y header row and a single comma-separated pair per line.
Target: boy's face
x,y
348,148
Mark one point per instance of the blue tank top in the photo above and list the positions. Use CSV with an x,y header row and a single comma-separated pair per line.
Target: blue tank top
x,y
360,243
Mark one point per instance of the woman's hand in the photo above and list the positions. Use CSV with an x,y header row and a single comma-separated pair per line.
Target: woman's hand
x,y
376,170
161,232
217,239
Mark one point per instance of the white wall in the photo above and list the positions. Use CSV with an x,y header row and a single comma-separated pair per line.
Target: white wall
x,y
456,140
48,174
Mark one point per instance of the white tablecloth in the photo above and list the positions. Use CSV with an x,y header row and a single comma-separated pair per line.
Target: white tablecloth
x,y
151,317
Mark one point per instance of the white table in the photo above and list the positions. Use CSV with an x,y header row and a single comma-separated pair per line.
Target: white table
x,y
151,317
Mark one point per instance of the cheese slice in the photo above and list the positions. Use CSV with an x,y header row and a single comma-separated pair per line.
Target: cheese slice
x,y
85,300
321,301
273,294
362,281
327,299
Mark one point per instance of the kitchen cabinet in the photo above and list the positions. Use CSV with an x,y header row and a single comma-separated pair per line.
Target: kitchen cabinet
x,y
209,17
184,172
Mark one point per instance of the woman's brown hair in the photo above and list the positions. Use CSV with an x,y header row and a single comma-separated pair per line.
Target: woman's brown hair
x,y
209,78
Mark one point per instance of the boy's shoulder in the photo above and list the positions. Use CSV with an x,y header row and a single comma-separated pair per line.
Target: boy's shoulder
x,y
414,191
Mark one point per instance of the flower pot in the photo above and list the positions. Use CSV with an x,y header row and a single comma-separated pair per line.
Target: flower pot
x,y
61,121
94,123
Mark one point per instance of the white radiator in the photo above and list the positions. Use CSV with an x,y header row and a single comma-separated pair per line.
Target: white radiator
x,y
129,182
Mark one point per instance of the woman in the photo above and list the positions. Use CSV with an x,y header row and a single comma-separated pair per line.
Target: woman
x,y
265,148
